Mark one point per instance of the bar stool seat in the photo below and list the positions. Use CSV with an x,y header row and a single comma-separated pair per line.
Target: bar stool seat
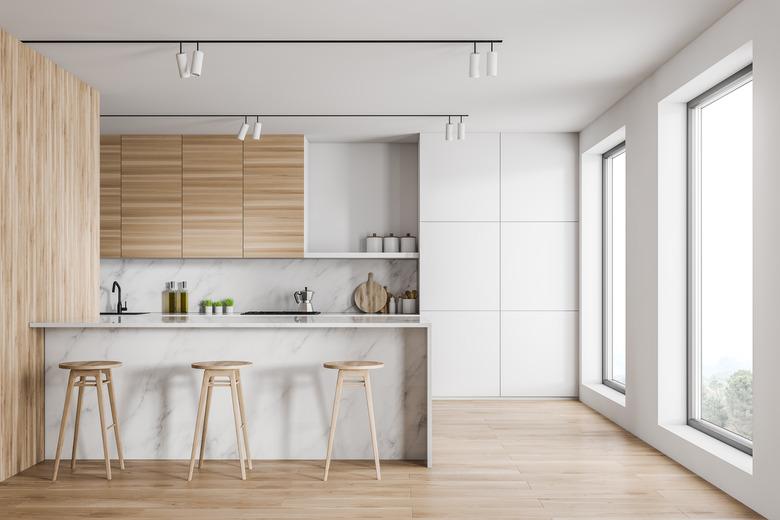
x,y
221,365
353,373
354,365
90,365
83,374
221,373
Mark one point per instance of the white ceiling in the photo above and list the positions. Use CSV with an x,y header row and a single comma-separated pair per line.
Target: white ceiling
x,y
562,64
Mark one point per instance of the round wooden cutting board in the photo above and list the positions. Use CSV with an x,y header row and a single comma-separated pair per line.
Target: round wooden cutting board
x,y
370,297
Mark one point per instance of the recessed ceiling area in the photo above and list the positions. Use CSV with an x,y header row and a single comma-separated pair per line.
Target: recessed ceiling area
x,y
562,63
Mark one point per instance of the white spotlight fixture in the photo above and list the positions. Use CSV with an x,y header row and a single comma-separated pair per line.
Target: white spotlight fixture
x,y
257,129
449,130
197,61
474,63
244,129
461,129
492,62
181,63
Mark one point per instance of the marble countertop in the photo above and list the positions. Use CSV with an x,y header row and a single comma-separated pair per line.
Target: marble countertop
x,y
237,321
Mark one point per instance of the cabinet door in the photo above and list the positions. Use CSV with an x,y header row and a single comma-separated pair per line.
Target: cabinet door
x,y
539,354
539,177
459,180
212,196
110,196
539,266
151,196
459,266
273,197
465,355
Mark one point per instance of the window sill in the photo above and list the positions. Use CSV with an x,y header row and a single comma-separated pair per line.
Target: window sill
x,y
721,450
610,393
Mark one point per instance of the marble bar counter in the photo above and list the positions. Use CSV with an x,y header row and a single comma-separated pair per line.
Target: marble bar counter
x,y
288,393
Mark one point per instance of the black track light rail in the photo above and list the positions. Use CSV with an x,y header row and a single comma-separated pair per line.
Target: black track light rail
x,y
220,42
269,116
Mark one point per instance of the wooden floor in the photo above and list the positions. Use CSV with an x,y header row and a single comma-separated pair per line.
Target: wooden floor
x,y
507,459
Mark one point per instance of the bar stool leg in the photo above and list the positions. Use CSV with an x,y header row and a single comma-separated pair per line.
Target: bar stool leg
x,y
198,421
103,430
112,403
64,420
244,425
205,422
78,421
237,419
372,426
333,419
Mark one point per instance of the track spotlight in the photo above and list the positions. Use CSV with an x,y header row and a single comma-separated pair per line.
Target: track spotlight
x,y
257,129
181,62
461,129
492,62
474,63
197,61
244,129
449,130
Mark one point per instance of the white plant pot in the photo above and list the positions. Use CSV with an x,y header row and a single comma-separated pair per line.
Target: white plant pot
x,y
208,310
229,310
218,309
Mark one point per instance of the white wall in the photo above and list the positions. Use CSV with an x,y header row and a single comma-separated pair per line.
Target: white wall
x,y
498,263
354,189
653,405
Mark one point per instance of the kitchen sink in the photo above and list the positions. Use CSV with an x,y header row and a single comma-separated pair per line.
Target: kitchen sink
x,y
123,313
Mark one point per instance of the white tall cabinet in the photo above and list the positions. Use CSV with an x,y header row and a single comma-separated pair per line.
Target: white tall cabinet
x,y
498,263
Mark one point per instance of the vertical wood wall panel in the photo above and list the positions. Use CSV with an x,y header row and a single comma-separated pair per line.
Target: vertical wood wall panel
x,y
49,234
151,196
110,196
213,217
273,197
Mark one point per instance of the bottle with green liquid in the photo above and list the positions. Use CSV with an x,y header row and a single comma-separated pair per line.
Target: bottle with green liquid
x,y
184,298
173,306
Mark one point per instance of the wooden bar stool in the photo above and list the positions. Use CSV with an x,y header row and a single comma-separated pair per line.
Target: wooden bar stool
x,y
221,373
358,372
82,374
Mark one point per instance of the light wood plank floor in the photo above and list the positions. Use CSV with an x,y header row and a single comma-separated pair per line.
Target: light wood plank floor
x,y
492,459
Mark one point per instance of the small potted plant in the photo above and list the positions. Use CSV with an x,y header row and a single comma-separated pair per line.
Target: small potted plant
x,y
228,305
218,306
207,306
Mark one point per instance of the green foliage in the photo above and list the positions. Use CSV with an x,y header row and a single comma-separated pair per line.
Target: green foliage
x,y
728,402
217,303
206,303
228,302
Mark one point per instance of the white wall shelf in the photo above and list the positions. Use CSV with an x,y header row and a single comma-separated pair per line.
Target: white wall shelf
x,y
358,255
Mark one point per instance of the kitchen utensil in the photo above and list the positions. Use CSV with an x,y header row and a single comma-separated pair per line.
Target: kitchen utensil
x,y
408,244
369,296
391,244
373,243
303,299
409,306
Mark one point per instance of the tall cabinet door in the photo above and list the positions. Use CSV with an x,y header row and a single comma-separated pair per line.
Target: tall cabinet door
x,y
212,196
110,196
273,197
151,196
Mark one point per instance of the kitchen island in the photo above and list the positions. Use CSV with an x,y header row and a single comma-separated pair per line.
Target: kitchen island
x,y
288,393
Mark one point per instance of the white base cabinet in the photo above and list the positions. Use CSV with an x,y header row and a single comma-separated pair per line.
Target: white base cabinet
x,y
465,353
538,354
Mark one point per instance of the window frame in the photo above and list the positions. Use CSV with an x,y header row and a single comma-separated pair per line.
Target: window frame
x,y
606,286
693,241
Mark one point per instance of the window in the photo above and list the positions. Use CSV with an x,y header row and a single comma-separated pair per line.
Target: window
x,y
720,261
614,327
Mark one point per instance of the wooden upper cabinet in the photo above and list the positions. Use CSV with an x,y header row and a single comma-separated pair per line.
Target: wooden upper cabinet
x,y
273,197
151,196
110,196
212,176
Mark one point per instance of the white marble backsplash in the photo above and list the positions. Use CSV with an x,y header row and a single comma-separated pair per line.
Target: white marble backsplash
x,y
254,284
